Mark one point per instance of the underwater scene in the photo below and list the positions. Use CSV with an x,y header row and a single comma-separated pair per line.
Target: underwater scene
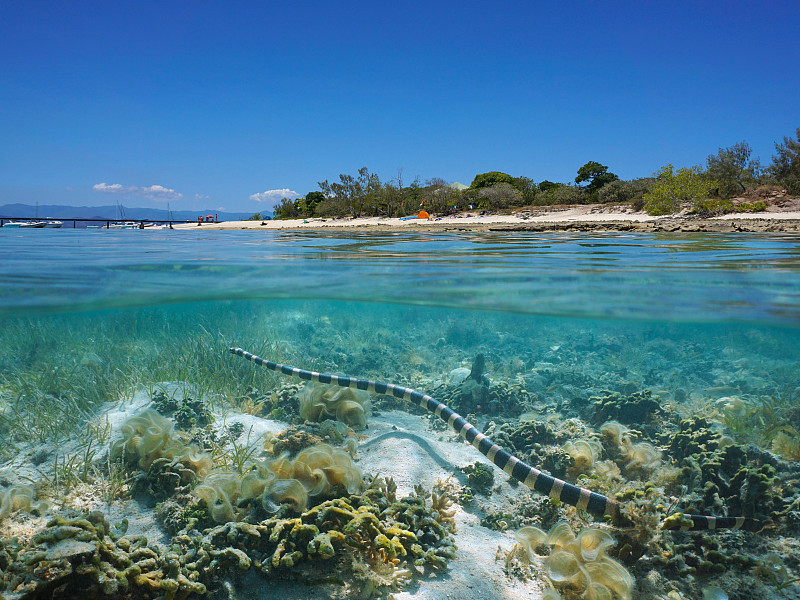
x,y
497,415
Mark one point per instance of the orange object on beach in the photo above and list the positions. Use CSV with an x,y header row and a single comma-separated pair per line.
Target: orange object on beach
x,y
423,215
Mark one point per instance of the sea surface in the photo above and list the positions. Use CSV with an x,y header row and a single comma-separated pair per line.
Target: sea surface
x,y
707,324
654,277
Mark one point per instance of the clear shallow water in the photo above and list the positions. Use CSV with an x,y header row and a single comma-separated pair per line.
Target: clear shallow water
x,y
691,277
89,318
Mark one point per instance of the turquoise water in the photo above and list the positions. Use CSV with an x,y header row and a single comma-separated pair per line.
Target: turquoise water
x,y
707,324
667,277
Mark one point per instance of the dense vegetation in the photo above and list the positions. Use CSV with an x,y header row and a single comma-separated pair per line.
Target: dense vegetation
x,y
731,173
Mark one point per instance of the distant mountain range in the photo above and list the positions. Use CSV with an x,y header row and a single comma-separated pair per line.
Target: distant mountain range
x,y
51,211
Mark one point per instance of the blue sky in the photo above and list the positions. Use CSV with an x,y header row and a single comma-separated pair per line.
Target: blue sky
x,y
220,104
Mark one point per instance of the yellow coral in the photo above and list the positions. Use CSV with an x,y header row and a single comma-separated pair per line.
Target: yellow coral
x,y
313,472
584,453
580,561
19,497
787,446
345,404
641,456
148,436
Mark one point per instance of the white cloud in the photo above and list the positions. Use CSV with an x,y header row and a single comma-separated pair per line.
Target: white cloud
x,y
159,193
274,195
104,187
202,197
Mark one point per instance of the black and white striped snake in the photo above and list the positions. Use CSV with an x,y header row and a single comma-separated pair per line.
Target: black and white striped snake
x,y
555,488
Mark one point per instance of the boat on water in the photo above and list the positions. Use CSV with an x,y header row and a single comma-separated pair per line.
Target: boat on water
x,y
35,224
124,225
25,224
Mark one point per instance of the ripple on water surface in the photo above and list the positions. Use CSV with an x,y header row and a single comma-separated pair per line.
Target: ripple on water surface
x,y
631,276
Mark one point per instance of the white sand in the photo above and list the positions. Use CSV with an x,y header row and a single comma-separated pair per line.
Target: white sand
x,y
474,573
575,214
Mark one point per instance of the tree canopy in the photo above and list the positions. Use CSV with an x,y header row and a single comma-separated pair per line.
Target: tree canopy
x,y
785,167
596,174
484,180
733,169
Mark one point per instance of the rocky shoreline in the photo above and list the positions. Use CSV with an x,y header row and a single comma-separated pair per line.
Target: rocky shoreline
x,y
666,225
687,225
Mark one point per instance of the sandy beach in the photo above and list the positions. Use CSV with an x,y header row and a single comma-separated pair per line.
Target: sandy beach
x,y
576,218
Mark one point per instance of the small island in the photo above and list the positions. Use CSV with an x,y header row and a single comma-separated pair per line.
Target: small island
x,y
733,192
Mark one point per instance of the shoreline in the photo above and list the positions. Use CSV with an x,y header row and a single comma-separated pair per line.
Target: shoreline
x,y
587,218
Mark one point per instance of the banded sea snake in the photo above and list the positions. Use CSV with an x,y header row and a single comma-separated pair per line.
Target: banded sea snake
x,y
533,478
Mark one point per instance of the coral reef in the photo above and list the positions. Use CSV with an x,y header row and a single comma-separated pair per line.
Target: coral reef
x,y
480,477
579,564
634,458
726,479
318,401
636,408
535,442
584,454
297,437
148,436
85,557
499,521
379,530
472,397
315,471
82,557
694,435
186,411
292,440
280,404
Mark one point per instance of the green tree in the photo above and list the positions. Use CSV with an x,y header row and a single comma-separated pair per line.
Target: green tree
x,y
619,192
733,169
563,194
311,201
785,167
484,180
527,189
596,174
286,209
351,194
546,185
500,195
673,188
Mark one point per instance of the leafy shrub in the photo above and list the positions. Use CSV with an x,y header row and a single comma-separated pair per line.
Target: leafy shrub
x,y
718,206
620,192
673,188
500,195
565,194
